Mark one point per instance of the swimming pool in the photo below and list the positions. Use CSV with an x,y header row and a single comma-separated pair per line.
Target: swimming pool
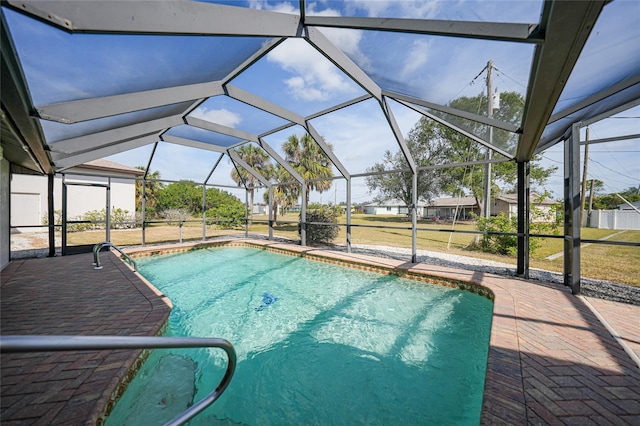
x,y
317,344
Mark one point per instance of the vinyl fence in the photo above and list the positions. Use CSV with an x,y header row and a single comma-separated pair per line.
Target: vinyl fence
x,y
615,219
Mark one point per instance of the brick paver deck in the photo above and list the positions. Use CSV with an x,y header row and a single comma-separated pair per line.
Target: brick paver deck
x,y
551,360
66,296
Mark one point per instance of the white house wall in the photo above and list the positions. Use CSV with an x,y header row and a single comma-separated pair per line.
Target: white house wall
x,y
29,193
5,241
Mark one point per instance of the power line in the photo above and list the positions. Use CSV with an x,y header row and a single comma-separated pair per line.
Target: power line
x,y
510,78
614,171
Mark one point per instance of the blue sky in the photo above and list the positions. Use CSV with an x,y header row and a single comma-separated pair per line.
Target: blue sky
x,y
296,76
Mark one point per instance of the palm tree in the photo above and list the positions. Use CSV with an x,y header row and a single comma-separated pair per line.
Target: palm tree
x,y
258,159
152,189
306,157
285,194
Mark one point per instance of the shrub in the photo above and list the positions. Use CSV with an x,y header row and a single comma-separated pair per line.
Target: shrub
x,y
322,233
229,215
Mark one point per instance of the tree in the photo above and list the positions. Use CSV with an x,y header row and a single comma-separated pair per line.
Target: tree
x,y
428,145
612,201
432,143
183,195
306,158
225,208
258,159
152,190
504,175
285,193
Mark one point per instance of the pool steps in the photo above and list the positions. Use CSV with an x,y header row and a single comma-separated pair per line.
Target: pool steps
x,y
13,344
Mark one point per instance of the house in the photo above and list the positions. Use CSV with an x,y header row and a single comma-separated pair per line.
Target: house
x,y
87,186
625,206
393,207
445,208
508,205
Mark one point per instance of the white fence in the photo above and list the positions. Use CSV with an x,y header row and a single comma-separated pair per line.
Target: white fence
x,y
615,219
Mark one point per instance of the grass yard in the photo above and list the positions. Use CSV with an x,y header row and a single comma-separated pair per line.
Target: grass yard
x,y
614,263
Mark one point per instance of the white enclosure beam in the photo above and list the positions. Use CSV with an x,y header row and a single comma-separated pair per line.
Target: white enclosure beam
x,y
193,144
453,111
236,158
342,61
90,109
501,31
325,148
398,135
160,17
457,129
107,137
62,161
566,25
281,161
251,99
219,128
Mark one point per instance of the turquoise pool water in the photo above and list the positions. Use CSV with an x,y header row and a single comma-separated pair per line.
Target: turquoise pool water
x,y
316,343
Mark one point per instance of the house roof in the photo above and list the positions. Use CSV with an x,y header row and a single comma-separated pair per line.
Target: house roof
x,y
533,197
453,202
110,166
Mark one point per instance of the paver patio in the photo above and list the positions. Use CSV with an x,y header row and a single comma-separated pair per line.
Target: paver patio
x,y
551,360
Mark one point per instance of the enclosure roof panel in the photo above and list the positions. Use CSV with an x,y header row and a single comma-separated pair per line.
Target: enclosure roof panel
x,y
103,77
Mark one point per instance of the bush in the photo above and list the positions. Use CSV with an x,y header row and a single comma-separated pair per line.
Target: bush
x,y
229,215
500,244
322,233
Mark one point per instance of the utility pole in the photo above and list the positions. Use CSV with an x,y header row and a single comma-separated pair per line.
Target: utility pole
x,y
487,167
583,195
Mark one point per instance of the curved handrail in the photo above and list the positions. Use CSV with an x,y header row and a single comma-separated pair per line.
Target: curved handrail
x,y
99,246
12,344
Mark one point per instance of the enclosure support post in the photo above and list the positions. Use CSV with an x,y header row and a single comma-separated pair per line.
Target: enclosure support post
x,y
108,210
572,210
270,208
524,189
246,213
144,206
64,216
414,217
51,217
349,215
303,216
204,211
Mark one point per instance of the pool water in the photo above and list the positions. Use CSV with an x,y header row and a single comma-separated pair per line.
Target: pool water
x,y
317,344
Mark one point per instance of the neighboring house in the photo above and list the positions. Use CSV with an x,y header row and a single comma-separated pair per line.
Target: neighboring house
x,y
508,205
393,207
625,206
86,191
445,208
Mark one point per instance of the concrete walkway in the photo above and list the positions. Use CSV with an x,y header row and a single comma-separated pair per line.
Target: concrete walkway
x,y
551,359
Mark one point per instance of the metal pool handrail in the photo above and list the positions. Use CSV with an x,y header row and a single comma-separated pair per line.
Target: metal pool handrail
x,y
99,246
13,344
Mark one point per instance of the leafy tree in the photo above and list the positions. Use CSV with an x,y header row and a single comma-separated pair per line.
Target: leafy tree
x,y
306,158
612,201
432,143
285,194
152,190
258,159
183,195
504,175
225,208
428,145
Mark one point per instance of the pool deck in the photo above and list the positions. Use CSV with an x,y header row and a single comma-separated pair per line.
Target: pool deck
x,y
552,359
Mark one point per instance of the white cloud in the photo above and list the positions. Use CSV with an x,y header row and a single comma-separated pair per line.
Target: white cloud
x,y
416,57
315,78
219,116
281,7
417,9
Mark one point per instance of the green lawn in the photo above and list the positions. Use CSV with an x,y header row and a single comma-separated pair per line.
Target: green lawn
x,y
614,263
